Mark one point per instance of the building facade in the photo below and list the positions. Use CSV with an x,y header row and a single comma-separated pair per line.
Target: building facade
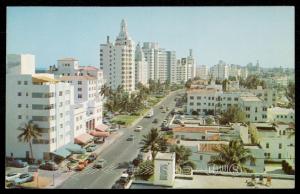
x,y
117,60
141,67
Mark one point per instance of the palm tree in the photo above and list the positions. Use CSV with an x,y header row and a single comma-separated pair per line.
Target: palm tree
x,y
233,155
29,132
105,91
154,142
182,156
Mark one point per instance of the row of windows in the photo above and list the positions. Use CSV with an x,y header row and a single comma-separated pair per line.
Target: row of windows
x,y
279,145
25,82
268,155
284,116
199,104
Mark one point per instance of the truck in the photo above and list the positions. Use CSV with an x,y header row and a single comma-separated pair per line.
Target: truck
x,y
150,113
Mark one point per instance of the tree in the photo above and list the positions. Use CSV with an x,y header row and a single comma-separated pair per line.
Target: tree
x,y
145,169
234,156
253,134
182,156
105,91
29,132
209,121
154,142
225,85
233,114
188,83
290,94
232,78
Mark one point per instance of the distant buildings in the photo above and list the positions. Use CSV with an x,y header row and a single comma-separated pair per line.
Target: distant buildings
x,y
202,71
186,68
220,71
141,67
117,60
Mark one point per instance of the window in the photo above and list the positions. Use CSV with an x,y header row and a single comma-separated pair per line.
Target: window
x,y
279,156
79,89
201,157
19,82
247,108
192,97
283,132
267,145
53,140
60,93
255,118
236,99
191,103
19,105
229,99
25,82
198,97
60,104
280,146
79,96
19,93
19,116
203,137
61,125
198,104
79,82
61,115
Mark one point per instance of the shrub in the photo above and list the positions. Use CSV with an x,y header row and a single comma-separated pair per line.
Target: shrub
x,y
145,170
195,112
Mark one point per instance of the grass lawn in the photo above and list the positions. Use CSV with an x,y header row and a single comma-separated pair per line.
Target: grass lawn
x,y
128,119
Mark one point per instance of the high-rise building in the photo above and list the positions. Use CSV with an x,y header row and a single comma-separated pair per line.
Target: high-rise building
x,y
117,60
171,66
220,71
202,72
186,68
141,67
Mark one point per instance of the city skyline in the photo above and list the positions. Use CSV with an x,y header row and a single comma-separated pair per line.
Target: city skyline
x,y
260,33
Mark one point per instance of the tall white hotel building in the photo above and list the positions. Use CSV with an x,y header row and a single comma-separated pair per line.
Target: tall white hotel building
x,y
117,60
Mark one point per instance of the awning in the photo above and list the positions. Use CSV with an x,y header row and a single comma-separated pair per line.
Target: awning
x,y
101,127
99,133
62,152
83,138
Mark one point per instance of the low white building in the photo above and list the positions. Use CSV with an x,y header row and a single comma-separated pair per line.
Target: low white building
x,y
164,169
284,115
276,142
255,108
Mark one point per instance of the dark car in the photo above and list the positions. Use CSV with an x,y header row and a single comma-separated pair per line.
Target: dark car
x,y
98,141
17,163
155,121
91,158
91,148
49,166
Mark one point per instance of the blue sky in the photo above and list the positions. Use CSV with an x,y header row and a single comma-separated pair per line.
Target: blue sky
x,y
237,35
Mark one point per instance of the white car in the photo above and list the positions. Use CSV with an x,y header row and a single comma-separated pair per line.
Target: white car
x,y
12,176
138,128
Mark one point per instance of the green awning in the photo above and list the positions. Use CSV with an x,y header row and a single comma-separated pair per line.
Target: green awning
x,y
62,152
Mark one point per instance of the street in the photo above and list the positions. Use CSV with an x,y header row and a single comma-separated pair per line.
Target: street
x,y
119,152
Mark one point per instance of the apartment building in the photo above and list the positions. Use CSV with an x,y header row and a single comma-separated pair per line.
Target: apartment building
x,y
141,67
282,115
268,95
211,100
276,141
202,72
117,60
40,98
186,68
220,71
171,67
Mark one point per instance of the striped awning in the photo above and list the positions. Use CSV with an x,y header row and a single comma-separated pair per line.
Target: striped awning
x,y
83,138
101,127
99,133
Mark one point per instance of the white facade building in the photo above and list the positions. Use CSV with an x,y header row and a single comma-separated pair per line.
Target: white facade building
x,y
220,71
268,95
20,64
42,99
283,115
117,61
171,66
202,72
141,67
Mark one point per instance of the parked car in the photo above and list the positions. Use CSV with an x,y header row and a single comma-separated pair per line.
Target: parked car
x,y
130,169
49,166
138,128
12,176
81,165
33,168
161,107
91,148
130,138
91,158
17,163
23,178
99,163
98,141
155,121
163,111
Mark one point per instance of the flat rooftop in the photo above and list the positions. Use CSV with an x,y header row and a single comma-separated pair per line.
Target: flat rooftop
x,y
165,156
226,182
250,99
